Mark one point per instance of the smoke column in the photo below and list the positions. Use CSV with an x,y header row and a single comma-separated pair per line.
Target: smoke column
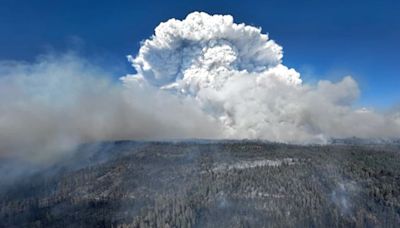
x,y
236,75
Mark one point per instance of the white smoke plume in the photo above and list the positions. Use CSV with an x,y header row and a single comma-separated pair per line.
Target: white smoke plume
x,y
235,74
201,77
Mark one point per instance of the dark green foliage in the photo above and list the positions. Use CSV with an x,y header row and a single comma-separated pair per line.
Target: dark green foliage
x,y
212,184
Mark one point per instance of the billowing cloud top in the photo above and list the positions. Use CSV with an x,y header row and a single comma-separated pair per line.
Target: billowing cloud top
x,y
204,51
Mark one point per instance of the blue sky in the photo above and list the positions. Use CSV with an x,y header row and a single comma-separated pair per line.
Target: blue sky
x,y
321,39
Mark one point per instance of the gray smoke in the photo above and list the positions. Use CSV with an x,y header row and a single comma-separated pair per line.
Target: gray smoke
x,y
49,107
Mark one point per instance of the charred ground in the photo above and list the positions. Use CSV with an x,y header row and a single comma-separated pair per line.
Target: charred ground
x,y
209,184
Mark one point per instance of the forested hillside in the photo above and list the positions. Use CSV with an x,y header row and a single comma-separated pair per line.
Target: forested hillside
x,y
209,184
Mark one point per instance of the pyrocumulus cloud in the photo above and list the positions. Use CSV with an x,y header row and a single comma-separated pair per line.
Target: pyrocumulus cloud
x,y
236,75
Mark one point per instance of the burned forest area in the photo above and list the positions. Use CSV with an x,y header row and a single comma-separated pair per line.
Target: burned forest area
x,y
208,184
